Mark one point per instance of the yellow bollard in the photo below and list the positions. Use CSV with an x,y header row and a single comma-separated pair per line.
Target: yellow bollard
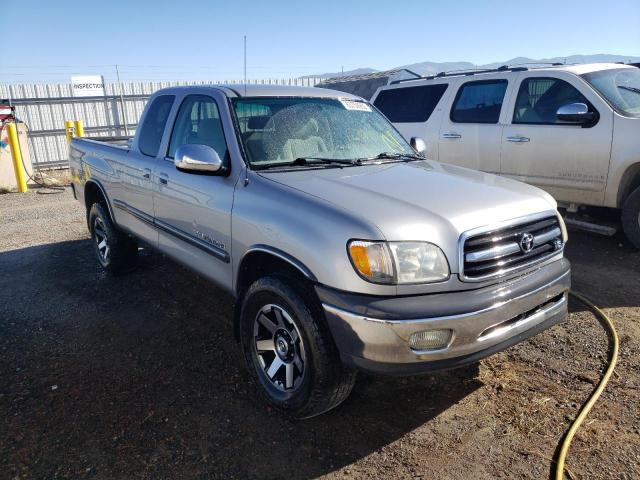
x,y
79,128
68,130
16,155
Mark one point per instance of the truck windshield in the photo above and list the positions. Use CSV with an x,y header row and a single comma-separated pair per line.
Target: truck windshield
x,y
620,87
283,131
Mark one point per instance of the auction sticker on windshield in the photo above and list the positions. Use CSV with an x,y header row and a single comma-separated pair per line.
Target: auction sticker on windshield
x,y
354,105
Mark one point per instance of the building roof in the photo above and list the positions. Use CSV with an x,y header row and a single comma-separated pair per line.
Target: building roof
x,y
368,76
365,85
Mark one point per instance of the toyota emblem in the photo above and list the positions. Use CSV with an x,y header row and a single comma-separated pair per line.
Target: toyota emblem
x,y
526,242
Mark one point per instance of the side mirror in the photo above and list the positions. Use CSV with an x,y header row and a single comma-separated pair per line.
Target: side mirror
x,y
418,144
575,113
198,159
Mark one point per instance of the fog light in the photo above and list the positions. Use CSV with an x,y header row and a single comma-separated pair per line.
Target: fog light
x,y
430,339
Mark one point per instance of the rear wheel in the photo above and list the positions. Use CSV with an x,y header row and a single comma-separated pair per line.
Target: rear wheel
x,y
115,251
631,217
289,350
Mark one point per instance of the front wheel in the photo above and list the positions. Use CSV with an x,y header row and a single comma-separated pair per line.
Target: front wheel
x,y
289,350
631,217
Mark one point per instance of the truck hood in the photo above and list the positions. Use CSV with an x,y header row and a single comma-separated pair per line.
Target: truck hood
x,y
422,200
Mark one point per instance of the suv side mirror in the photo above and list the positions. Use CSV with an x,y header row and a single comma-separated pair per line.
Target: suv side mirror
x,y
575,113
193,158
418,144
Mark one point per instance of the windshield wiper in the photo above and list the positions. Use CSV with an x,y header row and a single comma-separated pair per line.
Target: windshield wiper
x,y
631,89
311,160
308,162
406,157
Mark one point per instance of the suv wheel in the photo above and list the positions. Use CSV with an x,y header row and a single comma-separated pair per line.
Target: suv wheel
x,y
631,217
116,252
289,350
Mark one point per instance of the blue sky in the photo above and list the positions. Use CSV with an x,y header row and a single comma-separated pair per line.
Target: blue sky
x,y
203,39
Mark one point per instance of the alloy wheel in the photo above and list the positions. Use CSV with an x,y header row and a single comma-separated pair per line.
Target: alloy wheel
x,y
279,348
101,239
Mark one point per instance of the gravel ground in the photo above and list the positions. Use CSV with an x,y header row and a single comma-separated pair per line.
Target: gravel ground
x,y
140,377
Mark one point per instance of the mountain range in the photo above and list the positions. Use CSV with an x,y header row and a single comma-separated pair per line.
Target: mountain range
x,y
431,68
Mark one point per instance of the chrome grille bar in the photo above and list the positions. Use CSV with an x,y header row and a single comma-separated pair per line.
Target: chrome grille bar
x,y
496,251
500,251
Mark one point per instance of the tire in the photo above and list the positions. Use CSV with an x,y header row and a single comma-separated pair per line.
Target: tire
x,y
115,251
278,323
631,217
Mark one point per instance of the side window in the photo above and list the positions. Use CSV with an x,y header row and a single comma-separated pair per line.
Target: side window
x,y
198,122
479,102
410,104
153,125
539,99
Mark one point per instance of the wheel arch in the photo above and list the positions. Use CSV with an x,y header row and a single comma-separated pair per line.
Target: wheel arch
x,y
262,260
94,192
629,182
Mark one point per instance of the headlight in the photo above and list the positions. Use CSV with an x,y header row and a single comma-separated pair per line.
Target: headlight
x,y
398,262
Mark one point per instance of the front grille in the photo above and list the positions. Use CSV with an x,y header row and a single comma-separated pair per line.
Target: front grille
x,y
499,251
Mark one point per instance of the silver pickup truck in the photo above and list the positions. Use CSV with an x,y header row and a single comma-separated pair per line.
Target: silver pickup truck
x,y
344,248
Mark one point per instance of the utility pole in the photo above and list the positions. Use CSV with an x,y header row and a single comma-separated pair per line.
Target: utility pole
x,y
245,65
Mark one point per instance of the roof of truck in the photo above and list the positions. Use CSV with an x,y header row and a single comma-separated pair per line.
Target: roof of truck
x,y
241,90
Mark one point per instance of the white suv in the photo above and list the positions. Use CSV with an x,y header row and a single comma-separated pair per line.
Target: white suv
x,y
573,130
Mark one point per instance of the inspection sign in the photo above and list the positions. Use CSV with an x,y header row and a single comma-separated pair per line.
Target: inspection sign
x,y
87,85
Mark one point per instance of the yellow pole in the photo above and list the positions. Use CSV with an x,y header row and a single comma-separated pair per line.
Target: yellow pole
x,y
68,130
79,128
16,155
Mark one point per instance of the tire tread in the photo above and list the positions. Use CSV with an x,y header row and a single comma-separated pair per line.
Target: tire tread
x,y
334,381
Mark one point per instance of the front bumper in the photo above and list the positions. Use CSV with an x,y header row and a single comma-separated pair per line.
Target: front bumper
x,y
371,337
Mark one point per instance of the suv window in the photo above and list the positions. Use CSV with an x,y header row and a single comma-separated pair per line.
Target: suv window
x,y
153,125
540,97
410,104
479,102
198,122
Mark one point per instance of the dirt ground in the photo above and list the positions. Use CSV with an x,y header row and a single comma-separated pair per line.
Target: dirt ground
x,y
140,377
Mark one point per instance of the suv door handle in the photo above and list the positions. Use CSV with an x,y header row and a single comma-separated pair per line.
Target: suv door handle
x,y
451,135
146,173
163,179
518,139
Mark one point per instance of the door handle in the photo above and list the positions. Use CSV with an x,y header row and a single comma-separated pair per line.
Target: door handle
x,y
451,135
146,173
518,139
163,179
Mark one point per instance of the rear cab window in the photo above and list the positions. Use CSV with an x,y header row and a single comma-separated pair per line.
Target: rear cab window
x,y
153,125
410,104
479,101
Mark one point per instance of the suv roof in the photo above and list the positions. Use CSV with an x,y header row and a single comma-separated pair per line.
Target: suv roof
x,y
577,69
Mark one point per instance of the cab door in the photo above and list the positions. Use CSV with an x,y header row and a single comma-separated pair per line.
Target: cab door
x,y
193,211
133,197
569,160
471,132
